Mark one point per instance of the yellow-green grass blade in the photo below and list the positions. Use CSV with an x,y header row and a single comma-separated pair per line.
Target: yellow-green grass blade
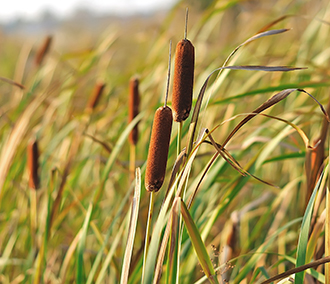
x,y
198,244
304,233
81,246
114,246
132,228
99,255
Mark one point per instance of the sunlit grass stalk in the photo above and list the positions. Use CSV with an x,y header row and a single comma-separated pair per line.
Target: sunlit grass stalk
x,y
132,160
327,232
147,234
33,218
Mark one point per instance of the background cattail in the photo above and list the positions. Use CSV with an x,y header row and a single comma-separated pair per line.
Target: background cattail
x,y
43,50
183,80
96,95
33,164
133,108
158,149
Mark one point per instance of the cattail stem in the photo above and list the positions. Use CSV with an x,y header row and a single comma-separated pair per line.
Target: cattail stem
x,y
132,160
327,232
147,241
33,217
186,25
178,151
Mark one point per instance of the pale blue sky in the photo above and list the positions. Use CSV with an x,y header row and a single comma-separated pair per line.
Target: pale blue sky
x,y
32,8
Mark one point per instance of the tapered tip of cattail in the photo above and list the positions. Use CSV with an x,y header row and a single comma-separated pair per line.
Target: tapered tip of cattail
x,y
33,164
158,149
183,80
96,95
43,50
133,108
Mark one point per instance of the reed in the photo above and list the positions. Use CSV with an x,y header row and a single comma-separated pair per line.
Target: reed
x,y
33,164
96,96
183,79
43,50
158,149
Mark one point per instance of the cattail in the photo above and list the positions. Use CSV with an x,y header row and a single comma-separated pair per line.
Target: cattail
x,y
33,164
42,51
183,78
133,108
96,95
158,149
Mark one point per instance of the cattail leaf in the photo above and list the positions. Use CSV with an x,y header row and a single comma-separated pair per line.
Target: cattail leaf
x,y
231,160
270,102
268,26
304,233
11,82
132,228
81,246
198,244
315,100
257,36
280,87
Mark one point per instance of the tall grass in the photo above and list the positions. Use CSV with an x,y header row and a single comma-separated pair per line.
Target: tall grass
x,y
245,197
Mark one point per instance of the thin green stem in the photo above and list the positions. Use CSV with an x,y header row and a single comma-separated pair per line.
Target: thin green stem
x,y
33,217
178,151
147,241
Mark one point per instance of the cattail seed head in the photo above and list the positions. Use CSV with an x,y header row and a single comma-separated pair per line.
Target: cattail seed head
x,y
43,50
96,95
158,149
133,108
183,80
33,164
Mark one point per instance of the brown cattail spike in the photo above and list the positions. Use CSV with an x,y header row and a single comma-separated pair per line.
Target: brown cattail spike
x,y
43,50
183,80
158,149
133,110
96,95
33,164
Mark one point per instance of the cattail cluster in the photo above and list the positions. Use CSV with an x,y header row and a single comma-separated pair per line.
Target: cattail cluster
x,y
96,95
133,109
33,164
43,50
158,149
183,80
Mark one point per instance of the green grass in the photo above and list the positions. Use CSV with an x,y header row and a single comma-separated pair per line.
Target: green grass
x,y
245,213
